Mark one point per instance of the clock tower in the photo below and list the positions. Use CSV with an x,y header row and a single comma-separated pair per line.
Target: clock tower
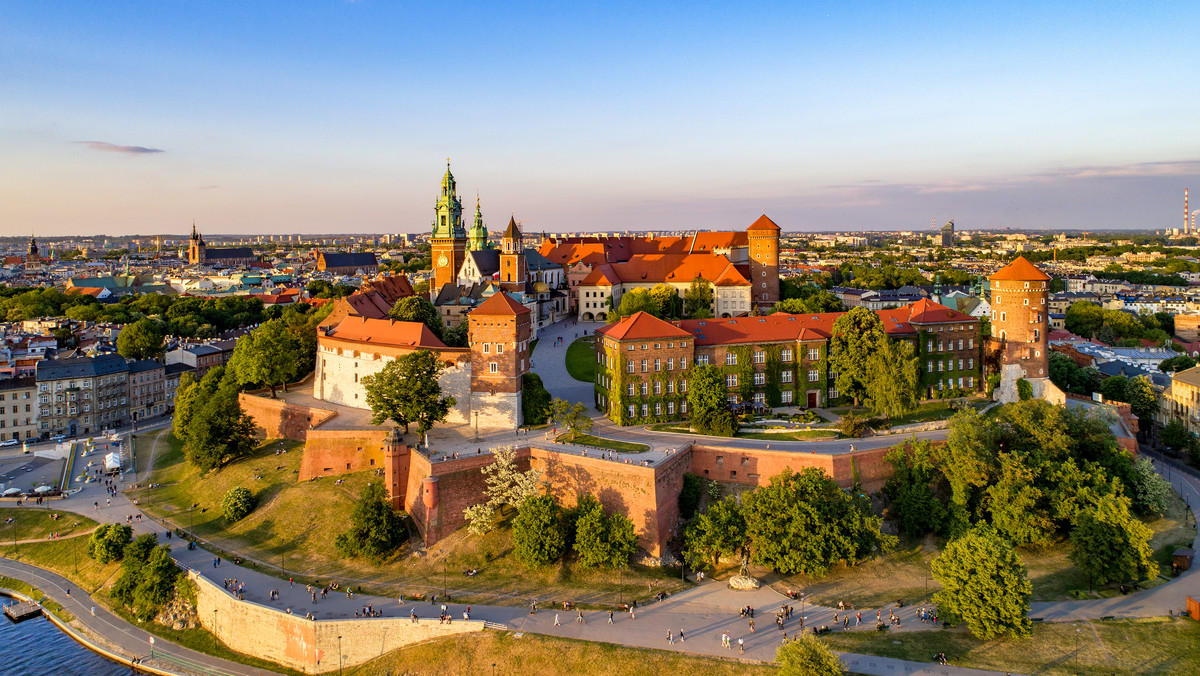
x,y
448,245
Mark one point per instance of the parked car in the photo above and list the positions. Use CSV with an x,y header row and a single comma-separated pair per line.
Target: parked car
x,y
10,442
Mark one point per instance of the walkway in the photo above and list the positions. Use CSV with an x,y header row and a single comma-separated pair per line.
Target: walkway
x,y
117,635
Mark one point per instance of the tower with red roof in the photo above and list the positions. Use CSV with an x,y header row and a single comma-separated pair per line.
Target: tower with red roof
x,y
500,331
1020,320
763,236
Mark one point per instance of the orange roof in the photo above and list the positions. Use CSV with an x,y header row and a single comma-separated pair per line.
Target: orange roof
x,y
500,303
673,268
773,328
731,276
386,332
642,325
93,291
764,223
1020,270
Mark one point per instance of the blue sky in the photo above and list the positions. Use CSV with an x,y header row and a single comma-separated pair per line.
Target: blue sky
x,y
332,116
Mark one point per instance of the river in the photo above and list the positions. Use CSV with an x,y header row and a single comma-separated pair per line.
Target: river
x,y
35,647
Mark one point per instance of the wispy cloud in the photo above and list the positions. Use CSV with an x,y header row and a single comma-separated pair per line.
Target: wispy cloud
x,y
104,146
209,187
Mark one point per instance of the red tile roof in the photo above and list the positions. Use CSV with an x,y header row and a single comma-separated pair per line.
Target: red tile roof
x,y
773,328
672,268
641,325
500,303
764,223
386,332
1020,270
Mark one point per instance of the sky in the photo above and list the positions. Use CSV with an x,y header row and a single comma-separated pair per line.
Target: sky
x,y
328,116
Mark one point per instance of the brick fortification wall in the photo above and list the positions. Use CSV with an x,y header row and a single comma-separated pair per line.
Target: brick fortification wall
x,y
756,467
281,420
306,645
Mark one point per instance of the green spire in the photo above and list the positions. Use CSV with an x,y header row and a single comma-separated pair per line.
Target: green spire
x,y
447,221
478,237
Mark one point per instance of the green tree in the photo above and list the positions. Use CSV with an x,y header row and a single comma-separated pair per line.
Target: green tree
x,y
418,308
375,529
218,431
698,299
185,398
537,531
689,495
910,489
707,403
156,584
1057,285
1084,318
573,418
891,378
237,503
1175,435
805,523
669,303
107,543
1148,491
806,655
407,391
458,335
270,355
1180,362
1020,510
720,531
635,301
535,399
1109,545
984,584
505,487
132,560
1115,388
1143,401
857,335
602,541
142,339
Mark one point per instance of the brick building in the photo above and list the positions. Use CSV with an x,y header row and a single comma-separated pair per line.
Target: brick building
x,y
500,331
642,368
1020,319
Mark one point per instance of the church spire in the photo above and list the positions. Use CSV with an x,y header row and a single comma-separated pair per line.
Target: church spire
x,y
447,223
477,238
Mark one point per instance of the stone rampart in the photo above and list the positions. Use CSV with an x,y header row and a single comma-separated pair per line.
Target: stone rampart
x,y
280,420
307,645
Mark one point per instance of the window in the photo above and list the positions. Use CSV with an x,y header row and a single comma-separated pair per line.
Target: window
x,y
493,367
971,363
645,410
760,398
632,411
940,365
683,407
970,343
759,356
487,348
833,393
760,379
813,375
929,345
671,364
629,366
731,380
1026,301
940,346
645,366
786,354
658,408
960,364
670,408
683,362
730,359
786,396
657,364
658,387
970,382
670,387
499,348
645,389
701,360
631,390
785,376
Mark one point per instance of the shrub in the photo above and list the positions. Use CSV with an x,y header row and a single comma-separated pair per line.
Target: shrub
x,y
1024,389
237,503
689,495
107,543
853,425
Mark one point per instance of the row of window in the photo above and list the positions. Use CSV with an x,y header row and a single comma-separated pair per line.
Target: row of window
x,y
658,409
16,408
633,389
14,396
942,346
948,364
16,422
631,367
657,346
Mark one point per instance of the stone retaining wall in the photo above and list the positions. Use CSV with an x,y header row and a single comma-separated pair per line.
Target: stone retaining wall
x,y
281,420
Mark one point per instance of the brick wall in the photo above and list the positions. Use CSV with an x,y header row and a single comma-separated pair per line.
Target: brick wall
x,y
281,420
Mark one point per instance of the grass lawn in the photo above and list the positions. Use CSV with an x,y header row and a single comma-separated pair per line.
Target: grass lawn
x,y
581,360
34,593
1149,646
533,654
294,526
794,435
901,574
64,557
611,444
926,412
32,523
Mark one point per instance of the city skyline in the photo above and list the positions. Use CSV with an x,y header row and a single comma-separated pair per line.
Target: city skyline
x,y
337,117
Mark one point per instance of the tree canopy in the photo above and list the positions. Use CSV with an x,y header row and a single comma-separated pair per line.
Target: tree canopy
x,y
601,540
506,487
407,391
698,299
215,430
418,309
142,339
806,655
984,584
1109,545
270,355
375,529
719,531
857,336
707,405
538,537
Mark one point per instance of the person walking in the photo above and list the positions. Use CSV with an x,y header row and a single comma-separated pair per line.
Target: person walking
x,y
556,620
610,617
681,638
741,646
670,637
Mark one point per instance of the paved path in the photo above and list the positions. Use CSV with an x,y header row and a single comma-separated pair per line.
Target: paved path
x,y
117,635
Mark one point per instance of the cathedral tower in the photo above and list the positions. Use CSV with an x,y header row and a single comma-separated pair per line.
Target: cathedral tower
x,y
512,259
195,247
477,239
448,245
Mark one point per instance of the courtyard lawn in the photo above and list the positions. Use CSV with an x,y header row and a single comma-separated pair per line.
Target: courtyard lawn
x,y
32,523
1148,646
295,523
581,360
782,435
601,442
928,411
475,653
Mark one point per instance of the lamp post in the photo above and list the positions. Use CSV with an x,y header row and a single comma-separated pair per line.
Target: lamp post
x,y
476,413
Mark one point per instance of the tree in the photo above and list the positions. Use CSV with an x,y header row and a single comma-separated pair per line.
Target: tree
x,y
219,432
1149,492
156,584
602,541
633,302
670,305
407,391
707,404
1109,545
1143,402
505,487
1175,435
107,543
805,655
1115,388
984,584
535,399
237,503
573,418
1057,285
375,528
458,335
1180,362
142,339
910,490
804,523
857,335
698,299
891,378
185,396
418,308
270,355
720,531
1020,510
1084,318
689,495
537,531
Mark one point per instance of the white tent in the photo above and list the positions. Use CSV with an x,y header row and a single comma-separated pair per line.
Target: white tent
x,y
112,462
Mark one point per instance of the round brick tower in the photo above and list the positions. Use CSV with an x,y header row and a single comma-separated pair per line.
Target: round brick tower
x,y
1020,320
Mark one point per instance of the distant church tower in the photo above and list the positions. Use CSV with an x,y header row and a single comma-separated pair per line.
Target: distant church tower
x,y
477,239
195,248
512,259
449,242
